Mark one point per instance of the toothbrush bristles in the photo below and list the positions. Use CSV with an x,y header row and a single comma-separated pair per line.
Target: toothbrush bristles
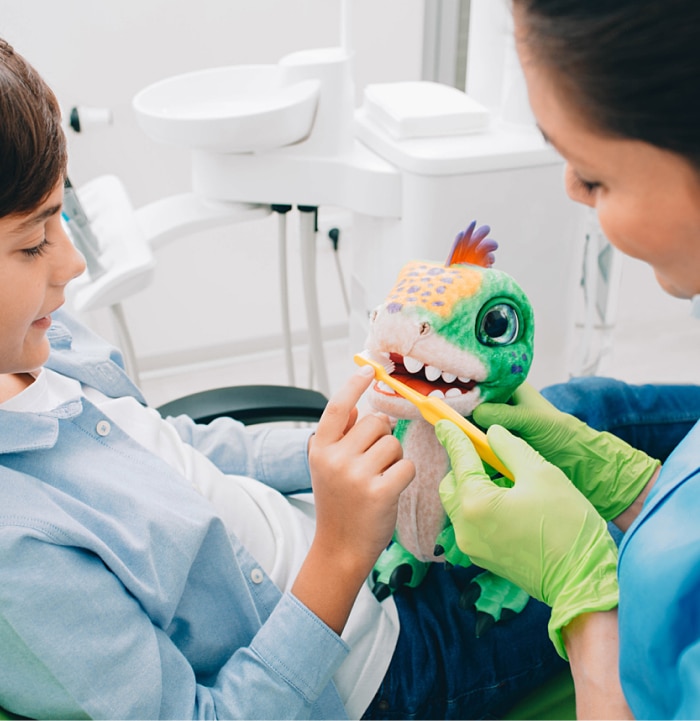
x,y
384,359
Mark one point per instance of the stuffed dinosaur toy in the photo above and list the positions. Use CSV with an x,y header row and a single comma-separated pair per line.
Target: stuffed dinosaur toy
x,y
462,331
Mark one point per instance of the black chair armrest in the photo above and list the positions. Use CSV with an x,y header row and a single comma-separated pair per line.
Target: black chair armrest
x,y
249,404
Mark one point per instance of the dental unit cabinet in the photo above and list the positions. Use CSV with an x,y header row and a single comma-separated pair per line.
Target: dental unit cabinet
x,y
414,163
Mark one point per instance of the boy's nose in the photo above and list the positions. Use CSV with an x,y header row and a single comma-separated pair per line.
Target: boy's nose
x,y
73,263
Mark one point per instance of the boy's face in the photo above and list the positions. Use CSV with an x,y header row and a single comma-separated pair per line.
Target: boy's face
x,y
37,260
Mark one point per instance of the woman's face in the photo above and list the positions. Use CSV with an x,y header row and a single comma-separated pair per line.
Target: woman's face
x,y
647,199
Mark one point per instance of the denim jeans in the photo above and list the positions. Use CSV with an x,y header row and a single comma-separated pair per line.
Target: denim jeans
x,y
440,670
653,418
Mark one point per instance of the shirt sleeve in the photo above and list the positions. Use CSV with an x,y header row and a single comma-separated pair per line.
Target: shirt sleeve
x,y
97,653
275,456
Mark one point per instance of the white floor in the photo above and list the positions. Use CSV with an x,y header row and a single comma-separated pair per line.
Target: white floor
x,y
654,340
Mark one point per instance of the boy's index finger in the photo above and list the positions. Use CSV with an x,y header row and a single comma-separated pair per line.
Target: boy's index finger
x,y
334,421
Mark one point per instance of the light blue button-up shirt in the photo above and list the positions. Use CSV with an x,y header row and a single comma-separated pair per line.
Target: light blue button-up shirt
x,y
122,595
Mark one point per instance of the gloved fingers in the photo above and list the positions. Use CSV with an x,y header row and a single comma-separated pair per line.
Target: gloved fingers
x,y
515,453
527,395
449,495
464,459
489,414
469,500
524,414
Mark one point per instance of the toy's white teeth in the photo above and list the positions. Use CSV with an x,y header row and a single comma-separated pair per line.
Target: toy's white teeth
x,y
412,365
382,386
432,373
436,394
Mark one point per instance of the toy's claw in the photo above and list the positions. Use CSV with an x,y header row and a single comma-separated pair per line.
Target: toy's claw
x,y
396,568
469,596
446,545
494,599
484,622
381,591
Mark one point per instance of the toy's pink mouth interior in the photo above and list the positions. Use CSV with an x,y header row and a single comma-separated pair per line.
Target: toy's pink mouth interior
x,y
428,379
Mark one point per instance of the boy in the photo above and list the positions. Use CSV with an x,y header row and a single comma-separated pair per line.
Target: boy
x,y
161,569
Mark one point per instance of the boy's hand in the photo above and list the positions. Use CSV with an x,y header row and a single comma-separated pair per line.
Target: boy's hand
x,y
357,474
608,471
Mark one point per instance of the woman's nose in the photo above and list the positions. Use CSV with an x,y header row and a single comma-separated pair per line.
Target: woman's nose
x,y
575,189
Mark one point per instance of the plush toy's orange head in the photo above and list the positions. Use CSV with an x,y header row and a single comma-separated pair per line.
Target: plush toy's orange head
x,y
462,330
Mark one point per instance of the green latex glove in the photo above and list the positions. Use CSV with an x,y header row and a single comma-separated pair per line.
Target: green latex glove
x,y
608,471
542,533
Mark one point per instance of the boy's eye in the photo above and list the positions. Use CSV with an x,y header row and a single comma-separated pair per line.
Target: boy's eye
x,y
37,250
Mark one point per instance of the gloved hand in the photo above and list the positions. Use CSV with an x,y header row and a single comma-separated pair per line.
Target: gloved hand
x,y
608,471
541,533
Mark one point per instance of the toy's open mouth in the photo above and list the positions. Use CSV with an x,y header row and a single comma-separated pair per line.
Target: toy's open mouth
x,y
427,379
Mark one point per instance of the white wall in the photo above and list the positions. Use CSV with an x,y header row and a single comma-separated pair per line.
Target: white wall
x,y
218,292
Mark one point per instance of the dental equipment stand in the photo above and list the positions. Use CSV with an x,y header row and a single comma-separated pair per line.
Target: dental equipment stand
x,y
126,239
414,164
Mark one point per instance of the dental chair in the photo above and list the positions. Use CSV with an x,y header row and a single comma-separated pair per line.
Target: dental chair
x,y
253,404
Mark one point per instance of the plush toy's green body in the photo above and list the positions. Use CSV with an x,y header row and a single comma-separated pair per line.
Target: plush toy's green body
x,y
462,330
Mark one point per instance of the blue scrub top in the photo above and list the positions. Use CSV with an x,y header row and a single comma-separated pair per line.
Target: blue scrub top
x,y
659,572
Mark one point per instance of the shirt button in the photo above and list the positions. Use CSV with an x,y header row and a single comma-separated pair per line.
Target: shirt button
x,y
256,575
103,428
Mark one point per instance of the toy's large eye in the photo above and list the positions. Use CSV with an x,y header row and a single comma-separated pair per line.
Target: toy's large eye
x,y
498,324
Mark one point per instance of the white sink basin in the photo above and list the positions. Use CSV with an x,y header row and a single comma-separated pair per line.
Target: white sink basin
x,y
236,109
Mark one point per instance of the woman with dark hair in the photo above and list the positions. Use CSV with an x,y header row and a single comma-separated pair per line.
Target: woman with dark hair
x,y
613,85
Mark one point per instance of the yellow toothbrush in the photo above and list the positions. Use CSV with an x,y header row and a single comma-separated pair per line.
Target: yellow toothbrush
x,y
433,409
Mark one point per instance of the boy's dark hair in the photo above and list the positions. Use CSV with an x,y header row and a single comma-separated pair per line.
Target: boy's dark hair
x,y
631,67
32,143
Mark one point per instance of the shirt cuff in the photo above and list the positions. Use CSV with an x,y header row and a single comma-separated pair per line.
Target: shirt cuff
x,y
300,648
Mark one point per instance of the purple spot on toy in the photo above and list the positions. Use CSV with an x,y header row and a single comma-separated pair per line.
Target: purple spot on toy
x,y
413,289
394,307
516,369
435,271
440,289
439,302
524,357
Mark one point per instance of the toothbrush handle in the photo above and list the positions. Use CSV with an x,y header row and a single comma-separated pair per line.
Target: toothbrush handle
x,y
477,437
